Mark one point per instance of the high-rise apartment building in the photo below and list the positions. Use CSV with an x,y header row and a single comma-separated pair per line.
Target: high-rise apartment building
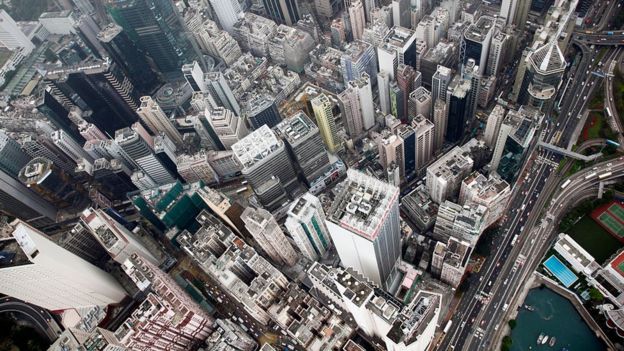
x,y
323,109
157,121
420,103
228,127
359,111
405,77
465,223
268,234
216,42
266,165
357,18
424,133
492,127
444,176
492,192
303,140
196,167
364,226
46,275
156,27
168,318
391,153
440,120
383,86
306,225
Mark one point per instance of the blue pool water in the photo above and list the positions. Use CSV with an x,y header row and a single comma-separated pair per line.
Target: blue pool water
x,y
560,271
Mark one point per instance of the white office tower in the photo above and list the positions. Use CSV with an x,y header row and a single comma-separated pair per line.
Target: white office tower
x,y
245,275
444,176
266,166
46,275
439,83
402,327
383,85
11,37
440,119
69,146
155,119
420,103
228,13
492,127
306,225
357,100
229,128
398,46
217,43
267,233
119,242
194,75
220,91
465,223
492,192
326,122
168,319
364,225
499,48
508,10
424,133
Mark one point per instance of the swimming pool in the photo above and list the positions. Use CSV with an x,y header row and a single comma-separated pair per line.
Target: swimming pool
x,y
560,271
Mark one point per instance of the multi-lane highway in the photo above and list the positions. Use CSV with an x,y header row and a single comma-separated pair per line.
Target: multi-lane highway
x,y
480,313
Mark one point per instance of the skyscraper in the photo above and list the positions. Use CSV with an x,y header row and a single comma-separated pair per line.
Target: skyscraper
x,y
267,166
544,70
439,83
156,27
424,131
357,100
458,102
228,12
408,137
398,46
405,76
221,92
306,224
492,127
357,18
475,43
359,57
19,201
324,112
11,37
127,55
101,87
228,127
155,119
440,120
118,241
420,103
267,233
282,11
44,274
56,113
139,146
383,85
12,158
364,226
401,13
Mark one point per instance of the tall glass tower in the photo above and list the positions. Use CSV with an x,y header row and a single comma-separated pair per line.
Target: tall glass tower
x,y
156,27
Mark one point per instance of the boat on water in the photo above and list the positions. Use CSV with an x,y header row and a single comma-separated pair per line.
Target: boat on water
x,y
540,338
552,341
545,340
528,307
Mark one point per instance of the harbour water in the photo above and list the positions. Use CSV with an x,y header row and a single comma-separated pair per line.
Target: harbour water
x,y
553,315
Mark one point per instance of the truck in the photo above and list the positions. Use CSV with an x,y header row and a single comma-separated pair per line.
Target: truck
x,y
447,327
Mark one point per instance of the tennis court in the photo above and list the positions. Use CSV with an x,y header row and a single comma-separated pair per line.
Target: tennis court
x,y
611,217
560,271
613,224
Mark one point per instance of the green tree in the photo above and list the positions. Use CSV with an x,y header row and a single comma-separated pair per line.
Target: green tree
x,y
512,323
506,346
595,295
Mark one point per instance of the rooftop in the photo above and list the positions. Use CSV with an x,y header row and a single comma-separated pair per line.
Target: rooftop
x,y
478,31
295,128
256,146
362,204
